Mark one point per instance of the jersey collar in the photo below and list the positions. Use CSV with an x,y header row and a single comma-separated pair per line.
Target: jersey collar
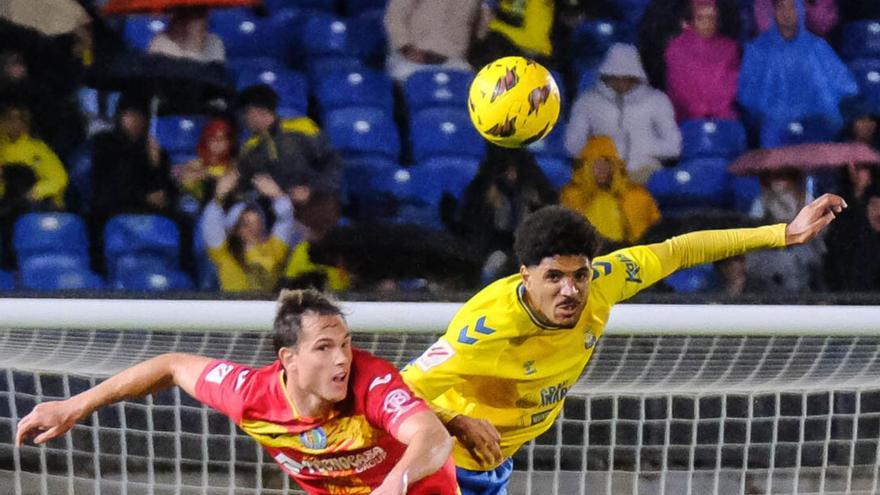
x,y
521,297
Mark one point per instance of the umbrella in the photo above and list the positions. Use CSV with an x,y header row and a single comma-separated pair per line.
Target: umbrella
x,y
804,157
124,7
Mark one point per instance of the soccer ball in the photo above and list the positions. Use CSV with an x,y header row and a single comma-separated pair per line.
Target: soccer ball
x,y
513,102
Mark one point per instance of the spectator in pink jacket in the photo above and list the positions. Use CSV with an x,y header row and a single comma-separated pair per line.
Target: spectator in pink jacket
x,y
821,15
702,67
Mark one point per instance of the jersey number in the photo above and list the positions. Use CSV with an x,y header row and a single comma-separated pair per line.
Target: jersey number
x,y
480,327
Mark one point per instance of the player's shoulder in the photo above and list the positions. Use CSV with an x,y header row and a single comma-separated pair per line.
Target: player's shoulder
x,y
498,298
494,313
369,371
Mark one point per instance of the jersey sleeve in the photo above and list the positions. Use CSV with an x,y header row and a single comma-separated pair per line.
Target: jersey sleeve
x,y
224,386
622,274
389,402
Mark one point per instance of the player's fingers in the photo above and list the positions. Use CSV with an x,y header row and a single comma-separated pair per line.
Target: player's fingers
x,y
497,455
22,431
48,434
828,200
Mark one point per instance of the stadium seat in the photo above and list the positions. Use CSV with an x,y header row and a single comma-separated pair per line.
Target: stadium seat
x,y
318,67
247,35
552,144
860,39
37,234
444,132
292,88
206,273
358,177
140,30
143,240
802,131
6,281
179,133
449,174
355,7
319,5
404,201
867,74
367,36
57,272
557,169
701,278
153,281
587,79
355,88
592,38
712,139
745,191
251,68
692,183
326,35
437,88
359,132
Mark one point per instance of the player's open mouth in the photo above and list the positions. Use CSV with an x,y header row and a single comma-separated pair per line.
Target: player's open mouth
x,y
340,377
567,307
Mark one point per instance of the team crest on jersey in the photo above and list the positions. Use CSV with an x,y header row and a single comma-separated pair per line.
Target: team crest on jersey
x,y
316,438
437,354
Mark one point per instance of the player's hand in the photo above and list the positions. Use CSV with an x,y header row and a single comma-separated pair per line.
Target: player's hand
x,y
479,437
47,421
394,484
813,218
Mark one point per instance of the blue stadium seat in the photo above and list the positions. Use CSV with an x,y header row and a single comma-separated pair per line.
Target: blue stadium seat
x,y
449,174
317,67
712,139
140,30
867,74
153,281
587,79
592,38
444,132
745,191
6,281
359,131
557,169
326,35
553,144
355,7
355,88
692,183
437,88
141,240
407,203
292,88
860,39
247,35
701,278
251,68
367,36
179,133
358,178
802,131
320,5
57,272
37,234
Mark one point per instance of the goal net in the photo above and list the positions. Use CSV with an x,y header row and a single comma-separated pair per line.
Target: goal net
x,y
701,410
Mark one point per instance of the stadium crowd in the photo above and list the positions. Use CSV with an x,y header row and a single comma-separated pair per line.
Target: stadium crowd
x,y
321,142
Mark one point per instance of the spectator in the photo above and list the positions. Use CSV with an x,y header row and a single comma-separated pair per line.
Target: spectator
x,y
516,27
23,155
821,15
508,186
788,74
702,67
130,172
216,151
427,33
295,154
853,241
799,268
187,36
245,256
861,121
302,271
600,190
639,118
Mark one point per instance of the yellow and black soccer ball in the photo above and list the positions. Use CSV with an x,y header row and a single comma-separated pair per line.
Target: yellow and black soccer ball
x,y
513,102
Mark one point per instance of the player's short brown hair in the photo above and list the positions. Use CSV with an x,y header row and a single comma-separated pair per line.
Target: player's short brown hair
x,y
554,231
292,305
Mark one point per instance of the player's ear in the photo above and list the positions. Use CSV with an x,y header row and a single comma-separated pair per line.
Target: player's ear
x,y
524,273
287,357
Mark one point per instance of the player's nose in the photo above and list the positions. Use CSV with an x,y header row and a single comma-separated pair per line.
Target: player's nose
x,y
569,288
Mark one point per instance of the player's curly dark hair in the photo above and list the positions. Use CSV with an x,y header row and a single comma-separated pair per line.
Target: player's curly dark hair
x,y
292,304
554,231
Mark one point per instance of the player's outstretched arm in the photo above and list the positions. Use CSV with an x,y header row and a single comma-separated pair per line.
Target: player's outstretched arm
x,y
428,448
49,420
813,218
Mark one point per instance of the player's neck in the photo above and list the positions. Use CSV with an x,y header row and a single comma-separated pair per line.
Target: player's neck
x,y
306,405
536,313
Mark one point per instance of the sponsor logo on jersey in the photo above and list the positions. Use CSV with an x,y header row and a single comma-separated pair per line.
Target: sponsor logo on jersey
x,y
397,402
437,354
529,368
382,380
554,394
315,439
219,372
541,416
239,380
354,463
590,341
632,269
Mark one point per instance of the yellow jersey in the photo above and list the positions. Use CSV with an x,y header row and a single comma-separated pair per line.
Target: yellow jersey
x,y
498,362
526,23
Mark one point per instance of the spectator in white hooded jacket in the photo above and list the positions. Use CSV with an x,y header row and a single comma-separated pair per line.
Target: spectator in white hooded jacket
x,y
639,118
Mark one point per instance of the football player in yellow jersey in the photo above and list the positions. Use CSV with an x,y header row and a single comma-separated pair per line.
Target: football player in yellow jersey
x,y
499,375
